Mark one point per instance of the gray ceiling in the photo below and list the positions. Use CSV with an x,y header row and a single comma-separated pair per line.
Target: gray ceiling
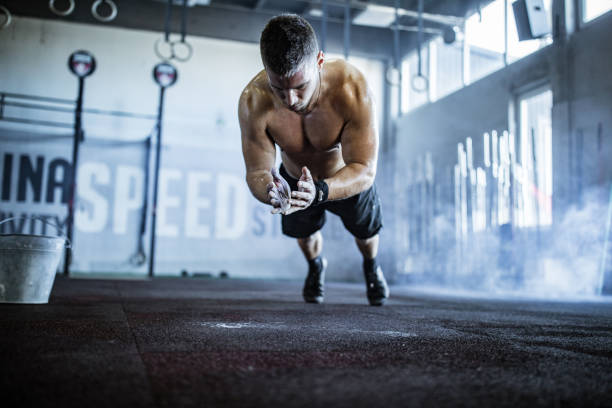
x,y
242,20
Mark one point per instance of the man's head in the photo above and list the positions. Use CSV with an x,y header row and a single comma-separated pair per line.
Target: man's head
x,y
290,54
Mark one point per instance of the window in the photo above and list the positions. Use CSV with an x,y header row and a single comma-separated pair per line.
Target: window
x,y
592,9
535,171
489,43
449,67
484,34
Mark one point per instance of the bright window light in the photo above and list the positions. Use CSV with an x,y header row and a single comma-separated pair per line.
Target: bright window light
x,y
376,16
485,41
487,32
592,9
536,187
449,68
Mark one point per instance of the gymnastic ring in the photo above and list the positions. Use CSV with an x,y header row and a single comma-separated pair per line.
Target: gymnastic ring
x,y
8,18
64,13
420,87
96,14
159,52
169,53
187,47
392,76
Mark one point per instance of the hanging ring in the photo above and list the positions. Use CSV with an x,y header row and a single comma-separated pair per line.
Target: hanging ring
x,y
165,53
392,76
167,50
185,51
105,19
64,13
7,18
420,83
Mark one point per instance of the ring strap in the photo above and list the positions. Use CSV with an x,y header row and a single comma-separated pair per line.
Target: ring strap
x,y
184,21
168,19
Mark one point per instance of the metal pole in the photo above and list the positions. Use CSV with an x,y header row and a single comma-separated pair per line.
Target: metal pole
x,y
78,138
156,179
347,28
140,257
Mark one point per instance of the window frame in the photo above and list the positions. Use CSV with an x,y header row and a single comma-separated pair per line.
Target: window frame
x,y
526,92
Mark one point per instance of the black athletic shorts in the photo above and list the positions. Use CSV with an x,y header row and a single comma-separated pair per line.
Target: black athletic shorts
x,y
361,214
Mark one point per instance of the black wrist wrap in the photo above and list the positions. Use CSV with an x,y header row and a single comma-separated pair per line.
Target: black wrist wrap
x,y
321,192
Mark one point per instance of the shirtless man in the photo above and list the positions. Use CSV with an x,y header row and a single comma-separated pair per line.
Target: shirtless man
x,y
322,118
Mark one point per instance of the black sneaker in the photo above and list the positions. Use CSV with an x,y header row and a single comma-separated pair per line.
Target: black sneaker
x,y
376,285
313,286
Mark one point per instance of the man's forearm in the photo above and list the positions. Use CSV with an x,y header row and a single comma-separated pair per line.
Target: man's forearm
x,y
257,182
350,180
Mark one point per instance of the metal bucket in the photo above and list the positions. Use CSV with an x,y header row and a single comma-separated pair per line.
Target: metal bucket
x,y
28,264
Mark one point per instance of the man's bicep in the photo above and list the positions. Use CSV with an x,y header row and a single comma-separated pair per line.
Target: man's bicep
x,y
259,153
257,148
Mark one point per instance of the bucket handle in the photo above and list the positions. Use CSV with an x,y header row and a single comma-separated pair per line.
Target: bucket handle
x,y
33,217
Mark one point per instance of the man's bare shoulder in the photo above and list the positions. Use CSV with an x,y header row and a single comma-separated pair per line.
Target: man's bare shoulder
x,y
256,98
349,85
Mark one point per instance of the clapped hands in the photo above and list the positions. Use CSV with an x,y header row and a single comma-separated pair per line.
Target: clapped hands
x,y
283,200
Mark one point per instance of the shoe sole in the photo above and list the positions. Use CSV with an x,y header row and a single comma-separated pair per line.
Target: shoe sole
x,y
377,302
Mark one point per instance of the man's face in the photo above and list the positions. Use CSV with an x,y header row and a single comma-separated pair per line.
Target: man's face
x,y
296,91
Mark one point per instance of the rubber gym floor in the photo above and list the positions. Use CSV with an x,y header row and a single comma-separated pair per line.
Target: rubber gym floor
x,y
255,343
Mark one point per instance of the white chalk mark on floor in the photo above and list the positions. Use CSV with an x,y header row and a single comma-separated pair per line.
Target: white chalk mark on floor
x,y
281,325
243,325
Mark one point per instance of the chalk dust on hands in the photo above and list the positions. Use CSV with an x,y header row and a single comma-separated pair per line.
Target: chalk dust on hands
x,y
284,191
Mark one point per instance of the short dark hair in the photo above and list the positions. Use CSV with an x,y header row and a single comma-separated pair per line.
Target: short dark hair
x,y
286,42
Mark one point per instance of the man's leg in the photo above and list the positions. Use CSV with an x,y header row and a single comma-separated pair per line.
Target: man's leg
x,y
311,246
368,247
376,285
307,224
313,286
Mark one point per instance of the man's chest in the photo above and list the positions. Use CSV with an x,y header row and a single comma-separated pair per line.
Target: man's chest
x,y
296,134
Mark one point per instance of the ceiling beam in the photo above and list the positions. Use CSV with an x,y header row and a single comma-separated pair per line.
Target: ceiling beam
x,y
362,6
